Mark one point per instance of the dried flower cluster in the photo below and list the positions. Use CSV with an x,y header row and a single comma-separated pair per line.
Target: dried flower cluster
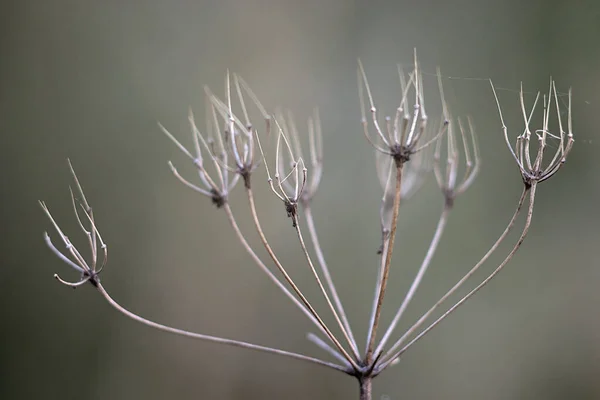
x,y
408,148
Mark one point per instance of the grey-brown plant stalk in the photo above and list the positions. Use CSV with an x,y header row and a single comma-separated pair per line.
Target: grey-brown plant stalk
x,y
407,148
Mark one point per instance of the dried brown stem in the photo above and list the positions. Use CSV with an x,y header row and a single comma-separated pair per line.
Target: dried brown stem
x,y
486,280
388,357
366,388
266,270
385,265
322,288
418,278
324,268
291,282
208,338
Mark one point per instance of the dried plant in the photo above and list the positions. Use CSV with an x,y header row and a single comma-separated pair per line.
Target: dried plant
x,y
408,148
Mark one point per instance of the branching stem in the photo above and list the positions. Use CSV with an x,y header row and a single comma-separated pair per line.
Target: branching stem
x,y
208,338
326,274
388,358
366,387
418,278
266,270
291,282
322,288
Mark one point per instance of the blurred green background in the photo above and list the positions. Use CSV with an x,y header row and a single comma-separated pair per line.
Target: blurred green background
x,y
88,80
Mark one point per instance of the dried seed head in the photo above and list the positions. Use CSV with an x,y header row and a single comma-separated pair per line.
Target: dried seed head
x,y
534,165
239,135
88,269
422,162
446,173
315,146
228,141
400,136
288,183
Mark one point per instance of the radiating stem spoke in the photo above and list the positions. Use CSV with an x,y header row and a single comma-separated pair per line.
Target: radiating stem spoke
x,y
392,354
385,265
418,278
268,272
291,282
323,291
208,338
326,274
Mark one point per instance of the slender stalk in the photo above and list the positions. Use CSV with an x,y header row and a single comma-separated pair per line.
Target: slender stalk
x,y
264,268
318,279
384,245
486,280
327,348
214,339
366,387
387,358
418,278
291,282
326,274
385,265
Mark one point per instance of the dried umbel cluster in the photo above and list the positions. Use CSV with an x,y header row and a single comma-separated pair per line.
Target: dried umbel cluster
x,y
408,149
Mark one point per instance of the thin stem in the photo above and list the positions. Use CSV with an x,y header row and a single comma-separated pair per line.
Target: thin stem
x,y
384,244
486,280
60,255
266,270
418,278
214,339
387,358
366,387
322,288
505,130
291,282
385,265
310,222
327,348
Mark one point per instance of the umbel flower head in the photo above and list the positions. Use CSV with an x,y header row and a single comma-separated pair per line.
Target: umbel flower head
x,y
287,186
289,134
229,143
534,165
402,134
444,160
89,270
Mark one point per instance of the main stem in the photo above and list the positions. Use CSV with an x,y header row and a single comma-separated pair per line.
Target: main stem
x,y
386,264
366,387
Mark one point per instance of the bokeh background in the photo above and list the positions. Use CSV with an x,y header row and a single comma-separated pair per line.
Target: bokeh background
x,y
89,80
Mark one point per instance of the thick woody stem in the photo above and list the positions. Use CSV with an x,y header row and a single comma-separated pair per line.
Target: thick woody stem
x,y
366,387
